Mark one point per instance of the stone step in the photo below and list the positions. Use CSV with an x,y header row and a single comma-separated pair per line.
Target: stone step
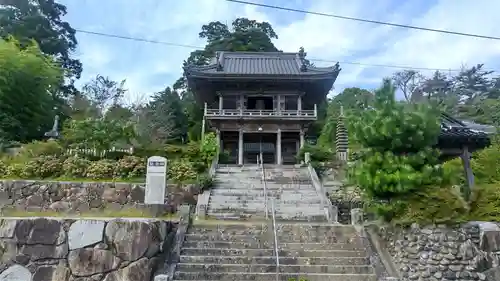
x,y
271,276
227,230
235,200
279,217
272,260
270,252
197,237
201,269
258,208
258,244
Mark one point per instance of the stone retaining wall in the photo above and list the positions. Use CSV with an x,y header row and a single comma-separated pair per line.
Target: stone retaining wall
x,y
74,197
467,252
82,250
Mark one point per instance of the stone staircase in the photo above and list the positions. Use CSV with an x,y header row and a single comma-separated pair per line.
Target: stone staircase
x,y
239,194
245,251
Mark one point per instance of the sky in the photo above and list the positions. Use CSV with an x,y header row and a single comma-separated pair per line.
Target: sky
x,y
358,47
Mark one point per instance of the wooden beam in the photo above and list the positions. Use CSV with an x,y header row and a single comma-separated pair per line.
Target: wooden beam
x,y
469,175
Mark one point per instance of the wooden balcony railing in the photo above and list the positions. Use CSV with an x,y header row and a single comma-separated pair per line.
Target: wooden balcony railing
x,y
236,113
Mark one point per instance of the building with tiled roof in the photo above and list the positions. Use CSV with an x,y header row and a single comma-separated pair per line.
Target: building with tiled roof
x,y
260,103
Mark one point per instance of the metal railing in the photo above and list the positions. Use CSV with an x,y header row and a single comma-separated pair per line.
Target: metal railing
x,y
261,113
260,161
273,212
273,217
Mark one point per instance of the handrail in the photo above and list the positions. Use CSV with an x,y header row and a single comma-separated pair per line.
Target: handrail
x,y
263,179
325,201
260,113
273,211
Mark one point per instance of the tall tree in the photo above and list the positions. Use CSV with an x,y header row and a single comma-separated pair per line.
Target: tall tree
x,y
27,81
407,81
102,92
41,20
473,83
164,120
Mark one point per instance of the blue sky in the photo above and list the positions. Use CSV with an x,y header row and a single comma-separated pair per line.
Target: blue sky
x,y
151,67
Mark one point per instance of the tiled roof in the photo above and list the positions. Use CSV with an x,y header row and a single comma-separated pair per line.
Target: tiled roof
x,y
455,133
260,63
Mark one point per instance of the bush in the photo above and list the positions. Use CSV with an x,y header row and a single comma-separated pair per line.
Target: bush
x,y
15,170
43,167
486,165
205,182
102,169
130,167
41,148
181,171
75,167
485,203
3,168
430,205
317,153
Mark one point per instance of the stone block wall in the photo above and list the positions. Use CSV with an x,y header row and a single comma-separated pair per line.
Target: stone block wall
x,y
467,252
82,250
74,197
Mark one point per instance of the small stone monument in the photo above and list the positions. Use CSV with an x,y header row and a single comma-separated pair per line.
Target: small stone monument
x,y
156,180
54,133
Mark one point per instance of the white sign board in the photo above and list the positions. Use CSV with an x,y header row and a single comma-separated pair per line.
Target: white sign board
x,y
156,180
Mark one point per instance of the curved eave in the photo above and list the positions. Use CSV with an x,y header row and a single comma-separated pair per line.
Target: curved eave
x,y
303,76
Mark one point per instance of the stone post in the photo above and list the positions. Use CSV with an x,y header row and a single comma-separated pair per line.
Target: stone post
x,y
240,147
278,147
307,158
357,216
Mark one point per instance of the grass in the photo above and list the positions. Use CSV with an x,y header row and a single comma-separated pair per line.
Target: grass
x,y
106,213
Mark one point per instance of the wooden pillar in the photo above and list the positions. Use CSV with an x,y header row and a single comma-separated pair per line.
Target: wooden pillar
x,y
465,156
278,147
221,102
240,147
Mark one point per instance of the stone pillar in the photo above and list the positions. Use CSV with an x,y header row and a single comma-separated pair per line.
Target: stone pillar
x,y
219,141
278,147
357,216
221,102
301,138
240,147
341,138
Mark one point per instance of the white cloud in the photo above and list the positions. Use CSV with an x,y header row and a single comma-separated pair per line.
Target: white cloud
x,y
322,37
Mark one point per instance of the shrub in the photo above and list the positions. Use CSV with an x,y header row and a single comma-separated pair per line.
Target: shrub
x,y
102,169
430,205
205,182
486,165
15,170
41,148
75,167
209,148
398,159
130,167
485,203
43,167
317,153
3,168
181,171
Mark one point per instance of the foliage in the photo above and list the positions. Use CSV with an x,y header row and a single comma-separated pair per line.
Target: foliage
x,y
317,153
398,159
486,165
130,167
485,203
3,168
42,21
205,182
15,170
429,205
75,167
43,167
209,148
100,134
181,171
41,148
163,120
27,80
102,169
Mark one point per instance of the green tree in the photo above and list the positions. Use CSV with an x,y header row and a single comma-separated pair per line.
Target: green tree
x,y
41,20
164,120
28,80
398,137
99,134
